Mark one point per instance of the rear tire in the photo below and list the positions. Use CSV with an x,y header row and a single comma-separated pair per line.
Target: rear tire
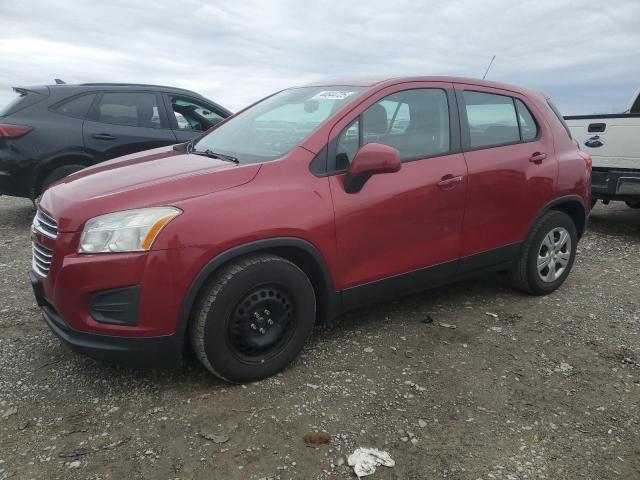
x,y
635,204
59,173
547,254
253,318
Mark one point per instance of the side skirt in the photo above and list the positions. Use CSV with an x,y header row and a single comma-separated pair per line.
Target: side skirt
x,y
501,258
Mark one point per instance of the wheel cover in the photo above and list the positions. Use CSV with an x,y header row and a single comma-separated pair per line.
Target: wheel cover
x,y
554,254
262,324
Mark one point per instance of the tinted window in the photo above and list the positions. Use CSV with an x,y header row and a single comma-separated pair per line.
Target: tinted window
x,y
192,115
133,109
12,104
76,106
559,115
528,125
25,98
635,108
492,119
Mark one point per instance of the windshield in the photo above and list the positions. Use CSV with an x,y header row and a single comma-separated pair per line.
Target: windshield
x,y
273,127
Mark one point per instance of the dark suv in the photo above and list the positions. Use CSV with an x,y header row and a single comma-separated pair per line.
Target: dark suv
x,y
49,132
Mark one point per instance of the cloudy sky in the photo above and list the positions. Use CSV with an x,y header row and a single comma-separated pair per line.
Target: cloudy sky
x,y
585,54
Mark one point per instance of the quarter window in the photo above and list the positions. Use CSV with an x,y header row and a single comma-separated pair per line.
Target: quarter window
x,y
491,118
348,144
132,109
192,115
75,107
528,125
557,113
415,122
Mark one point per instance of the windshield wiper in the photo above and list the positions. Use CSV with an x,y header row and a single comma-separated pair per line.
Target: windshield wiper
x,y
211,154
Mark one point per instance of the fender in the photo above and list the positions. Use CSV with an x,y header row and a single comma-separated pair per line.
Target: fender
x,y
331,304
564,200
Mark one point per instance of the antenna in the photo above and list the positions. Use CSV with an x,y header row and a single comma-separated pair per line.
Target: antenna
x,y
59,82
490,63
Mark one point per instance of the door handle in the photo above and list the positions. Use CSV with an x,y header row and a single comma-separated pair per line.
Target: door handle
x,y
596,127
537,157
103,136
450,181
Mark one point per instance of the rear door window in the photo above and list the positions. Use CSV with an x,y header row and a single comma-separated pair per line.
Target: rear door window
x,y
491,118
75,107
135,109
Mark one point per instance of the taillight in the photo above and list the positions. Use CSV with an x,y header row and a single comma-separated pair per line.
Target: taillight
x,y
8,130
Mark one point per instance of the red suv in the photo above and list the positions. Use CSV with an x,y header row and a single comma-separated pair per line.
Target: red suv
x,y
308,203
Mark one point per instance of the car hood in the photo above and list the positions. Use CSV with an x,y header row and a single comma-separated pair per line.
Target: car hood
x,y
161,176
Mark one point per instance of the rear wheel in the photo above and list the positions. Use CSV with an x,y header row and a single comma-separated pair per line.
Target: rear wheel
x,y
58,173
547,255
253,318
635,204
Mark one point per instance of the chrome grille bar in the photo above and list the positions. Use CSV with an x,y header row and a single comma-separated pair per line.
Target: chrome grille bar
x,y
45,225
41,260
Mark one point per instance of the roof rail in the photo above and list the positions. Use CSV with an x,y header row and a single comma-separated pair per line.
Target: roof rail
x,y
135,85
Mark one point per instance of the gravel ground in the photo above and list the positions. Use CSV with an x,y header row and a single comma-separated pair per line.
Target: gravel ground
x,y
545,388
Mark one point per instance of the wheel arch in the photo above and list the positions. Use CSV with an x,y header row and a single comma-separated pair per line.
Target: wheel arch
x,y
572,205
75,158
298,251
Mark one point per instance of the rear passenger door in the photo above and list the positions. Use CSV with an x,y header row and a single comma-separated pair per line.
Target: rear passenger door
x,y
512,172
120,123
189,117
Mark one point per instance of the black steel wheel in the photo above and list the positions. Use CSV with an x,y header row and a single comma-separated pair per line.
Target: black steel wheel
x,y
253,318
262,323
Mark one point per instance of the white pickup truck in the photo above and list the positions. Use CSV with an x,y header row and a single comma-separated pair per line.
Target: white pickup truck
x,y
613,141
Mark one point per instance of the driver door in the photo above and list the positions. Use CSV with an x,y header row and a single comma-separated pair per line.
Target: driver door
x,y
401,230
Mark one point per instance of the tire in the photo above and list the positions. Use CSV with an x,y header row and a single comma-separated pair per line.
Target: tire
x,y
253,318
635,204
546,238
58,173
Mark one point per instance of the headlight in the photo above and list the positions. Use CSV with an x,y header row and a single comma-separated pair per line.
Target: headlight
x,y
126,231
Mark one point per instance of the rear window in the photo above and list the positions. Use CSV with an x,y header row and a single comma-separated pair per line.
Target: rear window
x,y
553,107
23,99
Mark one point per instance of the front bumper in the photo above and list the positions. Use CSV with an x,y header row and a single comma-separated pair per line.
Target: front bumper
x,y
615,184
157,351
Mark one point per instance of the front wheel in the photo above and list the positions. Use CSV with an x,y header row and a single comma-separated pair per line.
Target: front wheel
x,y
547,254
635,204
253,318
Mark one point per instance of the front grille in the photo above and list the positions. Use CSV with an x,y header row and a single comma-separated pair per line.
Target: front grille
x,y
41,261
45,225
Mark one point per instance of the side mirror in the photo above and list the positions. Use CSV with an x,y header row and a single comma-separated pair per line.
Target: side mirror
x,y
371,159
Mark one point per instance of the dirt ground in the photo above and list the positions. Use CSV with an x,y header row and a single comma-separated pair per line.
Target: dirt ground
x,y
550,388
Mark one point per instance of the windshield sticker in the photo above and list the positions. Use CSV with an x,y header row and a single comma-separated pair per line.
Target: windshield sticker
x,y
332,95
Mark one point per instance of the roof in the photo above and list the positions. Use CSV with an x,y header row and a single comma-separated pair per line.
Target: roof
x,y
387,81
117,86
